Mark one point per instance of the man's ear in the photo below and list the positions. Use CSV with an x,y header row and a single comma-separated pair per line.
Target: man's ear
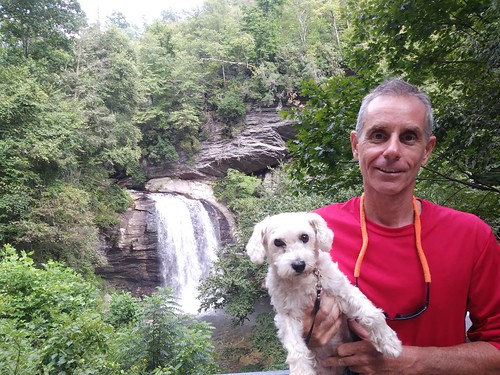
x,y
354,145
431,143
256,244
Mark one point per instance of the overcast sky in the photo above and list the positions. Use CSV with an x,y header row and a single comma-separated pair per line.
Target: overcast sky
x,y
135,11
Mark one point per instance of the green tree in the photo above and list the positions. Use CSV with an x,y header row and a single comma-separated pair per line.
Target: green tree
x,y
61,226
260,21
451,49
309,42
322,153
294,41
52,140
37,144
174,343
172,92
156,60
40,28
119,20
231,108
48,320
105,82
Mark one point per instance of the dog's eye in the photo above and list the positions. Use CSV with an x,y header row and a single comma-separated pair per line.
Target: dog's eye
x,y
279,243
304,238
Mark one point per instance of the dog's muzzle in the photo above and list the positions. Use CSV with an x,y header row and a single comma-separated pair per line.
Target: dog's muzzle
x,y
299,266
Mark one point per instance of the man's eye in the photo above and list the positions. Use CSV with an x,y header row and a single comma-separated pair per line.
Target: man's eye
x,y
409,138
279,243
304,238
378,136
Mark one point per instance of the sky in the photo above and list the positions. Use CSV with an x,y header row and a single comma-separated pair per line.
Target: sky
x,y
135,11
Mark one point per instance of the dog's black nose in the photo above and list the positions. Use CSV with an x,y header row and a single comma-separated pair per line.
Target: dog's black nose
x,y
299,266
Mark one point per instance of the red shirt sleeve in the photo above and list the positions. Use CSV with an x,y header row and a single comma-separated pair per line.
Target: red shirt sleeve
x,y
484,295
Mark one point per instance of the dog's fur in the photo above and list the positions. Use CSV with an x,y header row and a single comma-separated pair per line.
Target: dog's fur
x,y
295,245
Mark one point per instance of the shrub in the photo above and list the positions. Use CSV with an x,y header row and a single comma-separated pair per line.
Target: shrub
x,y
49,318
122,309
164,341
52,322
230,106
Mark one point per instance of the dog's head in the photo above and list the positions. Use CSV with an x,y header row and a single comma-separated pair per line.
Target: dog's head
x,y
290,241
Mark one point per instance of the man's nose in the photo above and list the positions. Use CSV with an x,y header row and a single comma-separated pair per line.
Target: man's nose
x,y
393,147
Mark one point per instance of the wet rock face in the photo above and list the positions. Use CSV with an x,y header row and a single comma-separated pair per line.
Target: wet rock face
x,y
131,260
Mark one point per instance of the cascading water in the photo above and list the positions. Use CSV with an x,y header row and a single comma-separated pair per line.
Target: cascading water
x,y
187,245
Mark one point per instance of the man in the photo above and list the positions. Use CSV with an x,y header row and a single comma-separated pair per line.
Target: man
x,y
423,264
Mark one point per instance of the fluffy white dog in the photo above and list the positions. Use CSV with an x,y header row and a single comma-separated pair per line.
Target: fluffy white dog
x,y
297,246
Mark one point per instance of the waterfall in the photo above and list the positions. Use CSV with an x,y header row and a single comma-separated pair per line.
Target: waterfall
x,y
187,243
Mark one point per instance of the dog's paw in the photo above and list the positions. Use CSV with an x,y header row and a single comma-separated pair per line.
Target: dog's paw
x,y
392,348
389,344
301,369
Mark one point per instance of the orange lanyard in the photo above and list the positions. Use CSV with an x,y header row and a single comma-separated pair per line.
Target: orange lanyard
x,y
418,240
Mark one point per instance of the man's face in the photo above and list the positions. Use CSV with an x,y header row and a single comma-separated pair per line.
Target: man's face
x,y
392,146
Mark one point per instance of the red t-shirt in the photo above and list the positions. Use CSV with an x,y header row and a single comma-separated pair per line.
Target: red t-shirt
x,y
464,261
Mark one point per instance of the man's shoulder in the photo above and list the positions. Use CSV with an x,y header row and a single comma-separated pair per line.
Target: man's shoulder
x,y
352,205
340,211
451,217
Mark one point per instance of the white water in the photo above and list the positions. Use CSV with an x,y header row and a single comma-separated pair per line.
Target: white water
x,y
187,245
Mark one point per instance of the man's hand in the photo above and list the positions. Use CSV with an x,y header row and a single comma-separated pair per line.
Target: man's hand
x,y
327,322
360,356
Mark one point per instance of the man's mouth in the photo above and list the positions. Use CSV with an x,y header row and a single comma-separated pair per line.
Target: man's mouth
x,y
390,171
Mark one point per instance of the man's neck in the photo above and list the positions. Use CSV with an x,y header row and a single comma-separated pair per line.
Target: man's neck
x,y
389,211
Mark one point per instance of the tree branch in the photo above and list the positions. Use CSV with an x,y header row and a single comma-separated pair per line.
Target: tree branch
x,y
475,185
251,67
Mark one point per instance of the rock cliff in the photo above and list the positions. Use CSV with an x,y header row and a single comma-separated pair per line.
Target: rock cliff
x,y
131,260
259,145
130,251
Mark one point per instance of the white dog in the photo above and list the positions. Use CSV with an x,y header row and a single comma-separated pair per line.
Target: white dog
x,y
297,246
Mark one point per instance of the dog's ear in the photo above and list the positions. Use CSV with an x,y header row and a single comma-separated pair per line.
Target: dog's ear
x,y
324,235
255,246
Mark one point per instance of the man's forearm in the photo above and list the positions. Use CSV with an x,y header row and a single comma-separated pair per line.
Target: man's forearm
x,y
478,357
475,357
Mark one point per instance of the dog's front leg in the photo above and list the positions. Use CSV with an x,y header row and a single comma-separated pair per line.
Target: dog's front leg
x,y
357,306
300,359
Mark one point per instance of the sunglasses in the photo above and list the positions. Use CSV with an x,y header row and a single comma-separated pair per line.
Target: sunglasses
x,y
412,315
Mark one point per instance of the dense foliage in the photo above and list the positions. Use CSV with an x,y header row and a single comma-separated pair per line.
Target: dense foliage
x,y
450,49
52,321
84,106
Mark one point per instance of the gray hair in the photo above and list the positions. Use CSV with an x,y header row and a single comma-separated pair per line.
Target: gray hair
x,y
397,87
